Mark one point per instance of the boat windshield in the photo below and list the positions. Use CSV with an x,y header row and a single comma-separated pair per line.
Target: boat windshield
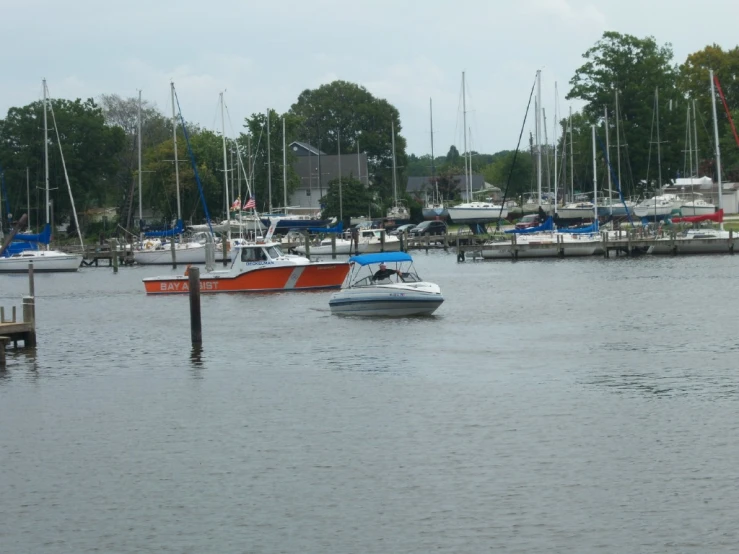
x,y
274,251
369,277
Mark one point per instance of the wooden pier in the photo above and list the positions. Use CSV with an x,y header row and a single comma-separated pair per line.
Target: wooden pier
x,y
93,254
12,330
633,242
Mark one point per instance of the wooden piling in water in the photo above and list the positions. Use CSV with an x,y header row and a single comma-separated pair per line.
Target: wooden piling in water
x,y
428,238
382,242
401,237
196,331
307,245
114,254
333,246
224,248
174,256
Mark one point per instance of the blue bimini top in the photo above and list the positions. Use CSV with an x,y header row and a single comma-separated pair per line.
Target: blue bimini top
x,y
366,259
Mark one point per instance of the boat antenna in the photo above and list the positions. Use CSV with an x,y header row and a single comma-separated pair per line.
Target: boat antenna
x,y
515,154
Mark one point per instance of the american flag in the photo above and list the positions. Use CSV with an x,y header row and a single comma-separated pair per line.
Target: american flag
x,y
250,204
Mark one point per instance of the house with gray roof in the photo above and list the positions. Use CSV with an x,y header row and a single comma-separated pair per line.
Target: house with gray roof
x,y
420,186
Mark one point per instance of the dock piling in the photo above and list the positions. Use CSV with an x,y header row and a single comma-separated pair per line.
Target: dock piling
x,y
333,246
114,254
196,331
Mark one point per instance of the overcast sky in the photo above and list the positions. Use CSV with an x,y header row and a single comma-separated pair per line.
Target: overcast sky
x,y
264,53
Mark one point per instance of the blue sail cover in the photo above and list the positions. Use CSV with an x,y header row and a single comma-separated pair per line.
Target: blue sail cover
x,y
592,228
177,230
44,237
338,229
548,225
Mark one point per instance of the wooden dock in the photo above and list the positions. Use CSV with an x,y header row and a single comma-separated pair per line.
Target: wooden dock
x,y
13,330
626,243
92,256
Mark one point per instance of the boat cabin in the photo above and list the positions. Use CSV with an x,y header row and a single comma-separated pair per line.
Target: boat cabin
x,y
260,252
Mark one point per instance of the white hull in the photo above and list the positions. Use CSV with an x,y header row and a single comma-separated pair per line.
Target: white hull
x,y
185,254
387,300
46,261
708,241
345,247
690,211
469,213
657,207
576,213
544,245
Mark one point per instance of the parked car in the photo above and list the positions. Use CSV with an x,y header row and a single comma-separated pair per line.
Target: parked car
x,y
403,229
530,220
430,227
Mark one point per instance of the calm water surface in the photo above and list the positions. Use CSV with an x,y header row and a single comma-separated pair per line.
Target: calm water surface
x,y
553,406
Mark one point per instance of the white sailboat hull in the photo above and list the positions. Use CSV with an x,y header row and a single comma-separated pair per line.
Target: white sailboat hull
x,y
345,247
469,213
44,261
185,254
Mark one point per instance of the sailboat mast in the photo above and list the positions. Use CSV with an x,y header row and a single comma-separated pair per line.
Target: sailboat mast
x,y
538,133
433,167
395,184
269,164
608,152
46,155
28,197
341,200
695,142
595,183
225,161
141,208
554,138
464,131
284,164
659,154
572,162
690,142
718,148
176,163
618,145
546,143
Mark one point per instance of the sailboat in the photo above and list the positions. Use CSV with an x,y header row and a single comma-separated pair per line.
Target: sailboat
x,y
44,260
434,208
398,213
153,250
473,213
660,205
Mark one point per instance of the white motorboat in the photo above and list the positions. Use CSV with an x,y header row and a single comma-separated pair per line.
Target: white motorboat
x,y
370,241
697,241
373,289
657,207
477,212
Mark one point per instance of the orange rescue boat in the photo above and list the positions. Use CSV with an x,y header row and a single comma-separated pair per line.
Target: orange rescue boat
x,y
258,267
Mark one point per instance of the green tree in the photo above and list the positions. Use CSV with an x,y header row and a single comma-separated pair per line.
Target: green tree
x,y
636,68
453,157
90,150
694,82
254,143
497,173
356,200
155,129
349,111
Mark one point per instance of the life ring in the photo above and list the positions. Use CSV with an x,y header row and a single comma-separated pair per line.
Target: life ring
x,y
148,245
187,270
228,247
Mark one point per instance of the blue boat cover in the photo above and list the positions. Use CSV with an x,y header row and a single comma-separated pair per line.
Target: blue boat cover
x,y
592,228
548,225
366,259
177,230
44,237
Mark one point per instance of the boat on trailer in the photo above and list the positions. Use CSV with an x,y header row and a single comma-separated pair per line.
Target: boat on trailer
x,y
257,267
374,289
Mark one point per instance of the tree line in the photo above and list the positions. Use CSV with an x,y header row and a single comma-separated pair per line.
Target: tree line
x,y
99,141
